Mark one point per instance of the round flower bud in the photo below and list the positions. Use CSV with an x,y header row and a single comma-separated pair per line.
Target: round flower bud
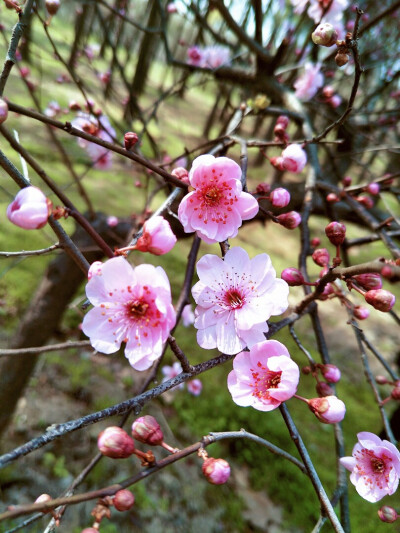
x,y
336,233
216,471
388,514
30,209
369,281
292,276
366,201
328,290
263,188
341,58
360,312
146,429
321,257
315,241
90,530
279,197
325,35
346,181
332,198
387,272
331,373
323,389
52,6
157,237
3,110
380,299
116,443
44,498
123,500
283,121
373,188
277,162
381,380
289,220
328,409
182,174
130,139
395,394
294,158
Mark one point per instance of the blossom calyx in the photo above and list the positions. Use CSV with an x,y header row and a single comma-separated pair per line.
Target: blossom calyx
x,y
116,443
146,429
325,35
3,110
388,514
336,233
292,276
123,500
380,299
321,257
328,410
216,471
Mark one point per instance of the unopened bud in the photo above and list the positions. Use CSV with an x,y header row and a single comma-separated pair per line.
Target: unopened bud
x,y
146,429
323,389
331,373
380,299
3,110
366,201
123,500
369,281
346,181
90,530
44,498
52,6
395,394
332,198
283,121
373,188
360,312
388,514
387,272
289,220
277,162
216,471
381,380
130,139
341,58
306,370
328,290
328,409
279,197
263,188
115,442
336,233
321,257
181,173
325,35
292,276
316,241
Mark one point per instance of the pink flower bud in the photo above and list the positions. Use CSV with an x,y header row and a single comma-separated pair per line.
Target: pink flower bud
x,y
283,121
3,110
373,188
395,394
388,514
182,174
325,35
216,471
335,101
323,389
361,312
195,386
369,281
74,105
294,158
116,443
387,272
112,221
292,276
123,500
332,198
336,233
381,380
316,241
277,162
263,188
90,530
341,58
331,373
24,72
328,409
289,220
279,197
328,91
130,139
30,209
346,181
380,299
146,429
366,201
321,257
171,8
44,498
52,6
328,290
157,237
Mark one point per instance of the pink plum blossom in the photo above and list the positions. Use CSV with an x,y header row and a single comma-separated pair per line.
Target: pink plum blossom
x,y
195,56
99,127
235,297
3,110
171,372
264,377
195,386
327,11
30,209
215,56
289,220
131,305
188,316
157,237
374,467
217,206
308,83
294,158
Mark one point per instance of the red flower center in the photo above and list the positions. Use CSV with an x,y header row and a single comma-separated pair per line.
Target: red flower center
x,y
264,380
234,299
212,196
138,308
378,466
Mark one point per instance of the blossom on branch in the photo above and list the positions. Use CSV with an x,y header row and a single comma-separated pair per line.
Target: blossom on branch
x,y
157,237
30,209
264,377
235,297
131,305
309,82
374,467
217,206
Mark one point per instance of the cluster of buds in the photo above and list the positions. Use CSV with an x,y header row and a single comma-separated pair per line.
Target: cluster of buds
x,y
280,132
122,500
395,393
371,190
329,372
